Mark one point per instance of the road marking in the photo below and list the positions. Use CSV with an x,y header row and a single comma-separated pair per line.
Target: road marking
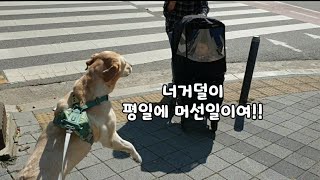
x,y
284,44
297,7
304,14
269,30
211,6
147,2
236,12
255,20
64,10
119,27
43,21
134,40
313,36
32,3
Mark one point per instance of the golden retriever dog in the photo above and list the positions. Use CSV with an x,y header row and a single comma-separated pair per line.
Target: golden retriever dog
x,y
104,69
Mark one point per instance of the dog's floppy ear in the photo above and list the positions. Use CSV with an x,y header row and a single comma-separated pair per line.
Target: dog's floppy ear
x,y
110,73
91,61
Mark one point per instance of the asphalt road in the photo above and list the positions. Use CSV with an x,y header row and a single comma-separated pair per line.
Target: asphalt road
x,y
281,40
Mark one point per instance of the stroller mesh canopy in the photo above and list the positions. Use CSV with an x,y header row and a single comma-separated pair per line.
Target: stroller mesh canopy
x,y
198,41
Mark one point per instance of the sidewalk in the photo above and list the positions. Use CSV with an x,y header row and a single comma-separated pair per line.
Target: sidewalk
x,y
284,145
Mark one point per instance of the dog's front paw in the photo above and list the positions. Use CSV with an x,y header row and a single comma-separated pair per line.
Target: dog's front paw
x,y
137,158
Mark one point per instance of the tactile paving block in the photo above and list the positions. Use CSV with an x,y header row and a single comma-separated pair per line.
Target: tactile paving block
x,y
316,85
290,80
306,79
287,89
270,91
3,80
273,82
156,97
305,87
44,118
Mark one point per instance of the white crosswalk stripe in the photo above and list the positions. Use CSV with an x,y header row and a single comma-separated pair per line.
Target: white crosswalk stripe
x,y
76,33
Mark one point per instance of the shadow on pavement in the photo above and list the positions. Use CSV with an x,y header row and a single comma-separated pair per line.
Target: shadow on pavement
x,y
164,147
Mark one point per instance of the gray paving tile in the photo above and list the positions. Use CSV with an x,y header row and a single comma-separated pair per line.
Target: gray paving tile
x,y
278,151
263,124
265,158
301,138
24,118
136,173
308,103
235,173
310,152
199,150
251,166
176,175
277,105
315,126
269,136
98,171
257,142
310,132
96,146
239,135
270,174
274,119
230,155
293,111
215,163
215,177
301,121
309,116
115,177
26,139
288,169
289,144
244,148
26,149
314,111
226,139
300,161
6,177
163,134
158,167
161,149
120,165
89,160
291,125
180,142
75,176
197,172
252,128
224,127
308,176
104,154
316,169
315,144
301,106
178,159
267,110
147,155
281,130
3,171
284,115
19,164
30,129
147,140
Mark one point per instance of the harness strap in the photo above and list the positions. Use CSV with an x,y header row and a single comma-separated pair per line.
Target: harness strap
x,y
95,102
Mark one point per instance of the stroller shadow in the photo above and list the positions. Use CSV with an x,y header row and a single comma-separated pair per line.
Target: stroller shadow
x,y
164,147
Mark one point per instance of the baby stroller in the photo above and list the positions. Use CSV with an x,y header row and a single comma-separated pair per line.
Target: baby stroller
x,y
198,56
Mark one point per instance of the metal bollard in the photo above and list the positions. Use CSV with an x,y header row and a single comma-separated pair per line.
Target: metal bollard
x,y
239,121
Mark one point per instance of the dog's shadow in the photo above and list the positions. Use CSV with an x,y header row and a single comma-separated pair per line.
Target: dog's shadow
x,y
164,147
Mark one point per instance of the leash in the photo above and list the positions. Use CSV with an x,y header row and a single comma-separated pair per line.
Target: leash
x,y
66,144
72,123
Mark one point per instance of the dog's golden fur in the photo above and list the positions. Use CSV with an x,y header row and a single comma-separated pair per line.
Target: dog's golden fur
x,y
104,69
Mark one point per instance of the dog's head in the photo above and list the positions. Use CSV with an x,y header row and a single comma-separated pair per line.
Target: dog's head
x,y
109,66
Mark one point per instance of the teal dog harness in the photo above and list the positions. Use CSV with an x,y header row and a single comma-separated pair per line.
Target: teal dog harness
x,y
75,119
